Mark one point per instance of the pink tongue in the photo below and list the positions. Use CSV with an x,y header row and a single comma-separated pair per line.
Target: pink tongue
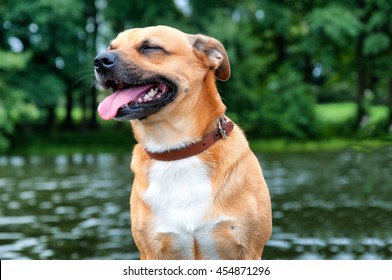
x,y
108,108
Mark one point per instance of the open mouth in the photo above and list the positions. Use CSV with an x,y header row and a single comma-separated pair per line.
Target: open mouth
x,y
135,101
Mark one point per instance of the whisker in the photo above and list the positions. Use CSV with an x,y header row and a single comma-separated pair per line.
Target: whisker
x,y
82,78
87,70
92,84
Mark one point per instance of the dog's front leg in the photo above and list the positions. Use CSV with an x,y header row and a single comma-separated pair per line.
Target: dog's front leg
x,y
167,246
226,238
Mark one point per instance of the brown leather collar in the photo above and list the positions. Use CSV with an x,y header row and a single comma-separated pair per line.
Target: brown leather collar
x,y
223,129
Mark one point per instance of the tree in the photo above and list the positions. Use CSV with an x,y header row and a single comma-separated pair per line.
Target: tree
x,y
61,37
284,54
377,47
357,33
13,105
121,15
46,29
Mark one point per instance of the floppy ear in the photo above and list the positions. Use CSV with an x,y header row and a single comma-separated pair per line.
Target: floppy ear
x,y
216,55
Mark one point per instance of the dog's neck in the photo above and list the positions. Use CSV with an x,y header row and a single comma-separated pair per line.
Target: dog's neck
x,y
161,136
183,124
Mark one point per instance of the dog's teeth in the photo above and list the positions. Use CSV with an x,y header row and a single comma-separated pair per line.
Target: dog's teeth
x,y
152,92
159,95
119,84
140,100
162,88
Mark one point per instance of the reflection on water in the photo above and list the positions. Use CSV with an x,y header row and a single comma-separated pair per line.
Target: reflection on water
x,y
331,205
326,206
65,207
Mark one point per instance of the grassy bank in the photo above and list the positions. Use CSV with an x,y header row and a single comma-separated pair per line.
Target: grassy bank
x,y
334,122
117,137
122,141
337,113
335,144
109,138
337,119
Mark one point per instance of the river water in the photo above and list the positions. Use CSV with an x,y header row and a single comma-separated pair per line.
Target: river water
x,y
325,206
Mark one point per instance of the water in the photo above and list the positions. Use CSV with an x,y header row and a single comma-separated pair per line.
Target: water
x,y
325,206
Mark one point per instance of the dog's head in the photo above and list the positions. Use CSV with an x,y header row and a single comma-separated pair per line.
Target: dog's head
x,y
149,68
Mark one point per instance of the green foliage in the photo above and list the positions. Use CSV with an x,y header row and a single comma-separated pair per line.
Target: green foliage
x,y
376,43
12,62
129,14
336,22
240,92
13,105
45,90
285,56
57,35
286,107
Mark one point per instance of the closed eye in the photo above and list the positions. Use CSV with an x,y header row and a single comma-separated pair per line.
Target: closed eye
x,y
148,49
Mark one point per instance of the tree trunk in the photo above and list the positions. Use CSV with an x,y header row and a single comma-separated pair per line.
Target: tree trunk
x,y
83,106
388,126
280,43
68,121
50,118
308,68
361,115
94,105
93,12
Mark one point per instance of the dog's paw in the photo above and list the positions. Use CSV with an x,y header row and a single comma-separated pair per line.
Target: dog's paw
x,y
172,246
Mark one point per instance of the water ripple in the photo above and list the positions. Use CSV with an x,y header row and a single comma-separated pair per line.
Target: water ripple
x,y
325,206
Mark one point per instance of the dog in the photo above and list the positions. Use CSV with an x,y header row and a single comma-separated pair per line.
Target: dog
x,y
198,190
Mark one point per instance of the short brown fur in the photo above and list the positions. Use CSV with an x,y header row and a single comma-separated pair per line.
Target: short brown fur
x,y
238,188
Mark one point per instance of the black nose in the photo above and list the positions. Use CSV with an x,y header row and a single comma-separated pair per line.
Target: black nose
x,y
105,61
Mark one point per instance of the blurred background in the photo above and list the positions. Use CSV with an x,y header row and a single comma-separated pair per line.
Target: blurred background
x,y
311,86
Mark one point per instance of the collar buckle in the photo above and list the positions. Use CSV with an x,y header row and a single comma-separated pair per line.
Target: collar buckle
x,y
221,130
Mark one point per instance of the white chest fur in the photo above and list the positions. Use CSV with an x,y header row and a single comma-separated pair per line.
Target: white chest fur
x,y
179,194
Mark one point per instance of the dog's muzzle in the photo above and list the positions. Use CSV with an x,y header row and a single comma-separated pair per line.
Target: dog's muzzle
x,y
134,96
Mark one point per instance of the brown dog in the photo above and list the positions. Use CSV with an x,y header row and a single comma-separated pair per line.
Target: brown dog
x,y
198,191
